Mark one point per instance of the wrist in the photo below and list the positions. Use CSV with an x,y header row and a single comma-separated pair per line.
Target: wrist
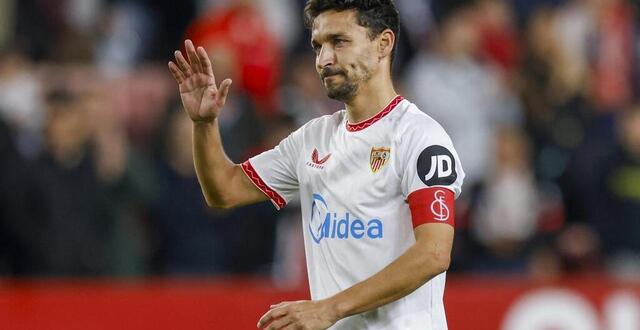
x,y
205,123
339,308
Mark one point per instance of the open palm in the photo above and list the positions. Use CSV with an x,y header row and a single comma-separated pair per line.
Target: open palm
x,y
201,98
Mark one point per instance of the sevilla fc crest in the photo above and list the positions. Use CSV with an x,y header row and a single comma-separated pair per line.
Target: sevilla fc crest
x,y
379,158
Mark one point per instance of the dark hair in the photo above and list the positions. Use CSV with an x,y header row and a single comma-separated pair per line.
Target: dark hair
x,y
442,10
59,95
376,15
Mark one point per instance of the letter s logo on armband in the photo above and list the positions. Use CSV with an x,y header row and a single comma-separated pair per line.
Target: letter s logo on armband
x,y
439,207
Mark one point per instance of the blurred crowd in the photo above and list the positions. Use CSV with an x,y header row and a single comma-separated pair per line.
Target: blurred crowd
x,y
540,97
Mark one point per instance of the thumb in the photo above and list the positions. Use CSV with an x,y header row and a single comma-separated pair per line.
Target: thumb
x,y
223,91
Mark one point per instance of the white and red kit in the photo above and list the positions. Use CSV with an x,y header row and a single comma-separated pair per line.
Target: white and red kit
x,y
363,189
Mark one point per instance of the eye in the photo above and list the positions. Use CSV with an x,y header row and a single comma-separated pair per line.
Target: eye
x,y
316,48
339,42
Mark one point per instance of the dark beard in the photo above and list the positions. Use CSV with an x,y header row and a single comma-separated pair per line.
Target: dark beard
x,y
345,92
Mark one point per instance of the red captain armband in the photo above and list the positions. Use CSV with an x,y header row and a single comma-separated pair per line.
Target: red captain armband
x,y
432,205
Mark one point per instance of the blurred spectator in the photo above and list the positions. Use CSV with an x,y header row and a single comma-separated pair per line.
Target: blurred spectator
x,y
452,86
619,219
127,177
498,35
614,54
193,238
7,20
416,16
240,30
21,104
544,265
139,99
68,203
19,238
552,91
282,18
128,26
505,221
571,31
579,250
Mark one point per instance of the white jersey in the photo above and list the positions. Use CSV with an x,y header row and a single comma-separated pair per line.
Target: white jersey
x,y
354,181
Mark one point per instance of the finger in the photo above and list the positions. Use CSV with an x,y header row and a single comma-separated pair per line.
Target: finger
x,y
280,304
176,72
279,323
183,64
193,57
271,315
223,91
205,61
265,319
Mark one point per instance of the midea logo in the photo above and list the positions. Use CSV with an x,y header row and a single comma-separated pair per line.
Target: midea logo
x,y
325,224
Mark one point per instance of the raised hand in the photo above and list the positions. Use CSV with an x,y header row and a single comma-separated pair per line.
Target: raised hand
x,y
201,98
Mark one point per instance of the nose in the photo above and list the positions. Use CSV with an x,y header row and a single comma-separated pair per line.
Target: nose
x,y
326,57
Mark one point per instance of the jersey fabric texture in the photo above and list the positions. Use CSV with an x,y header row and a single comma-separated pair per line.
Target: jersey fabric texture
x,y
354,182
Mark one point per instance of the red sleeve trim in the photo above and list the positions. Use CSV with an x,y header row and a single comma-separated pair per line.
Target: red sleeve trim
x,y
432,205
273,195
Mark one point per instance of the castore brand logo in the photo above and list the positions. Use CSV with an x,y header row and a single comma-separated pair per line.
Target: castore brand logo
x,y
316,162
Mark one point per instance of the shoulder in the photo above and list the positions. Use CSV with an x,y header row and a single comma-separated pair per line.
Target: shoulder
x,y
316,128
324,122
414,124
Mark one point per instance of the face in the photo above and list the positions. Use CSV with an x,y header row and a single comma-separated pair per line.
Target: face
x,y
460,31
631,131
346,58
67,130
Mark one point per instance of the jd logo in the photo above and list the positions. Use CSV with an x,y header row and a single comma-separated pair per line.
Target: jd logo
x,y
436,166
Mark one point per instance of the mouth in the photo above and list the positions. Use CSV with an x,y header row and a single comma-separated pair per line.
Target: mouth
x,y
329,73
331,76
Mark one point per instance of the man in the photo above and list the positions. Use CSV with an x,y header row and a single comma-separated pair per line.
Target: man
x,y
376,181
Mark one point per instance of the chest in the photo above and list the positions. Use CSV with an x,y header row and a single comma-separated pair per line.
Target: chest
x,y
349,164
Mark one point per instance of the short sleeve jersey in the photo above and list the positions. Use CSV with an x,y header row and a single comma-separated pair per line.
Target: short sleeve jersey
x,y
363,189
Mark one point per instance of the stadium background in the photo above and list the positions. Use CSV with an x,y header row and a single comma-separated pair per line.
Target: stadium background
x,y
102,223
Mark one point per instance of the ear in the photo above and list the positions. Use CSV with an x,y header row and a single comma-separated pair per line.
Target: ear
x,y
386,42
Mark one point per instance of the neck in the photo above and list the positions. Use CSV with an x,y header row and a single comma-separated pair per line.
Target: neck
x,y
372,97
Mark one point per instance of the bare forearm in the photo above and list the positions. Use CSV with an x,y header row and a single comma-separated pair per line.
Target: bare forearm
x,y
213,167
403,276
223,183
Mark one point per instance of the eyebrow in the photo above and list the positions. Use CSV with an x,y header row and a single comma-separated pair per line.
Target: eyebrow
x,y
331,36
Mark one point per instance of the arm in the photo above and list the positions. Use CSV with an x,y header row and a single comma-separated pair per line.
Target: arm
x,y
223,183
428,257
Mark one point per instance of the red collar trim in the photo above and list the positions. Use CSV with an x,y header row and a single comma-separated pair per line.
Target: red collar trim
x,y
366,123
